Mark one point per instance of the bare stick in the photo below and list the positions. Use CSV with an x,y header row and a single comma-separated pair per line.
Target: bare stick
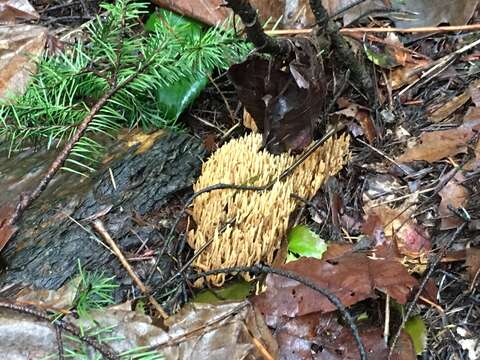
x,y
365,30
100,228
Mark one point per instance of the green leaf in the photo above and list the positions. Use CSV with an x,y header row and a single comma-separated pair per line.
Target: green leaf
x,y
416,328
175,98
235,291
304,242
380,57
163,17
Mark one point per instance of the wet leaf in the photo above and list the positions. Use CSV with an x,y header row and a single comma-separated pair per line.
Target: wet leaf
x,y
437,145
304,242
21,46
235,291
320,336
172,100
416,328
13,10
283,102
353,277
433,12
455,195
230,330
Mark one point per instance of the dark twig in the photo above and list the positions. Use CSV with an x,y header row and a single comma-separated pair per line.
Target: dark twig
x,y
103,349
220,186
432,267
58,335
263,269
341,50
254,30
192,259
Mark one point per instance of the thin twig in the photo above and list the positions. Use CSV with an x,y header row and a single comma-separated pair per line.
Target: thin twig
x,y
192,259
263,269
103,349
424,29
429,274
100,228
227,105
346,31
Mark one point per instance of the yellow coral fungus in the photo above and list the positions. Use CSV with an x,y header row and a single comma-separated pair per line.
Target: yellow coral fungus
x,y
259,219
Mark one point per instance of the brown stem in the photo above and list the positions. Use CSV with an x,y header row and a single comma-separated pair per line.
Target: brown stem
x,y
254,29
341,50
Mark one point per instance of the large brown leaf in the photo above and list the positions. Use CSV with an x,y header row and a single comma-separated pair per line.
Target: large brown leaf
x,y
11,10
437,145
21,45
353,277
283,103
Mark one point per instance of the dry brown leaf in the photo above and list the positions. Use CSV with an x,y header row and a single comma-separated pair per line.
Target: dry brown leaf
x,y
417,13
6,230
20,45
11,10
363,117
455,195
405,75
395,224
208,11
473,263
437,145
449,107
433,12
353,277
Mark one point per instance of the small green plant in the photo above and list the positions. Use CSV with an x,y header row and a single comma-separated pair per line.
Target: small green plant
x,y
95,291
121,64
